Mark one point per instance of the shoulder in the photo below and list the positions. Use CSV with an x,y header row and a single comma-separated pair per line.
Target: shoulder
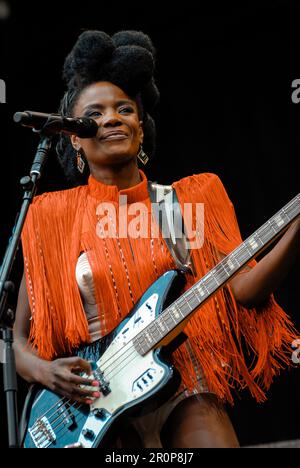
x,y
59,196
201,177
204,183
60,201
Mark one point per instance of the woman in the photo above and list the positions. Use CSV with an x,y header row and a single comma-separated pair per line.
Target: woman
x,y
78,283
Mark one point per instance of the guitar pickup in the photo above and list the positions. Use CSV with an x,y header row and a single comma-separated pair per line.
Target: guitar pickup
x,y
144,381
68,417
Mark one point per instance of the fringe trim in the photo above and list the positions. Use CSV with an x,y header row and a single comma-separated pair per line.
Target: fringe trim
x,y
222,334
51,244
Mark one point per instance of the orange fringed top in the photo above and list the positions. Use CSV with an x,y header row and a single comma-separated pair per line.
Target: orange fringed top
x,y
61,224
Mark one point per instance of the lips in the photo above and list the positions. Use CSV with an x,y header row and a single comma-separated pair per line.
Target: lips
x,y
114,136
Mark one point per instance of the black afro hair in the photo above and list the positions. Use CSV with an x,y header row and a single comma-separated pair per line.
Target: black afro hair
x,y
126,59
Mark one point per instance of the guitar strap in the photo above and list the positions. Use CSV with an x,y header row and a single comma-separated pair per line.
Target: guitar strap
x,y
167,212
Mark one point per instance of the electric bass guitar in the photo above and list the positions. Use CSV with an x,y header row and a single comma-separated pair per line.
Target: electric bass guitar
x,y
131,362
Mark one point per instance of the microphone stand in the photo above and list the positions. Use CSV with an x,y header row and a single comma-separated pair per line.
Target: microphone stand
x,y
29,185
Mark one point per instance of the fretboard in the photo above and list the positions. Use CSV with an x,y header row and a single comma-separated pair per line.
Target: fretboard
x,y
215,279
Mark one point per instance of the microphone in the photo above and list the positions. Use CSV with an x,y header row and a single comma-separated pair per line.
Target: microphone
x,y
50,124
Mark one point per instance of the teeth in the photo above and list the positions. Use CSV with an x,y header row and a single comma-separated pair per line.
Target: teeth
x,y
117,135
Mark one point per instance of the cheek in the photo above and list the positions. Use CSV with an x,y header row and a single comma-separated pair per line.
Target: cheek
x,y
139,135
135,127
90,147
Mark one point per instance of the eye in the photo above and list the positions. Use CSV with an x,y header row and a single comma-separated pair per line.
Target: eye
x,y
126,110
94,114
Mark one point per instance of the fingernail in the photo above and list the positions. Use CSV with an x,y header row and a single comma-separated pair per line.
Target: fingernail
x,y
89,402
96,394
95,383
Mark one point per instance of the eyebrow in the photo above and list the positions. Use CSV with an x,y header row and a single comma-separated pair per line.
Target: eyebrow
x,y
97,105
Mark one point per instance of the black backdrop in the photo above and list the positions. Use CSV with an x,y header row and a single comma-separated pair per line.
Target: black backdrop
x,y
225,78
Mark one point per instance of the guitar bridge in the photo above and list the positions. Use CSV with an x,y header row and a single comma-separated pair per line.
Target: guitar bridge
x,y
42,433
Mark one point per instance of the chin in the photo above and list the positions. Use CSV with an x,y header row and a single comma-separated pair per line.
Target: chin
x,y
120,158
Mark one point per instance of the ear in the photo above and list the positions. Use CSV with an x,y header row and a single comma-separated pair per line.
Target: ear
x,y
141,131
75,142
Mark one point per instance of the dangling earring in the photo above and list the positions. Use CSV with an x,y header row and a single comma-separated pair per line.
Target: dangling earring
x,y
80,162
142,156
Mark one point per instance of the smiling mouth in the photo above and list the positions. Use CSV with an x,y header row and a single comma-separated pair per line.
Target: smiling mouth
x,y
114,136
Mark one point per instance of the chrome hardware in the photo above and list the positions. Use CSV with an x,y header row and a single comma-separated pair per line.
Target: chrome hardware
x,y
42,433
100,413
88,434
76,445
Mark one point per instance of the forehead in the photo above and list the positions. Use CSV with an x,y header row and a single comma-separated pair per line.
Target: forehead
x,y
103,93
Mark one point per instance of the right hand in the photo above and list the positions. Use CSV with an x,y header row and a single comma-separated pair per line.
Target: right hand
x,y
60,377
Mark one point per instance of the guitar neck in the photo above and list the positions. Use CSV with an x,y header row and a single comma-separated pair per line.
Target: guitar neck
x,y
200,292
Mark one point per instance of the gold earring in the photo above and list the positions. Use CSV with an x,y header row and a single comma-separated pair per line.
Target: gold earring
x,y
80,162
142,156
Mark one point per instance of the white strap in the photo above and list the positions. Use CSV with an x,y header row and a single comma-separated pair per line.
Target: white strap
x,y
166,196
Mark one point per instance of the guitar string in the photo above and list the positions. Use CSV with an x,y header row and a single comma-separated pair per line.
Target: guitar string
x,y
121,350
115,368
128,355
59,403
35,428
102,371
71,405
180,303
182,300
115,354
80,405
55,428
60,429
129,352
129,346
43,437
62,415
125,356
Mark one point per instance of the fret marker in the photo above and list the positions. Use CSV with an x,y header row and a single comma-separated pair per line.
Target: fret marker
x,y
253,243
201,291
149,337
278,220
230,264
176,313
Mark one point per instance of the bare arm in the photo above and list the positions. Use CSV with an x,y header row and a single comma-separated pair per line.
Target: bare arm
x,y
255,285
27,362
58,375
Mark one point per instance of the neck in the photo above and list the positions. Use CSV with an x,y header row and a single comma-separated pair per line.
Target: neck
x,y
123,176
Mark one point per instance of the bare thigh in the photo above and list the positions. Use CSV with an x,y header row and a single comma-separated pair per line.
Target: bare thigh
x,y
199,421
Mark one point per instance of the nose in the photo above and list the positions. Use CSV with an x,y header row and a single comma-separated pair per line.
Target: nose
x,y
111,119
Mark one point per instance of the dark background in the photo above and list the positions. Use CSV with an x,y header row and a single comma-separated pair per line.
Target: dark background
x,y
225,76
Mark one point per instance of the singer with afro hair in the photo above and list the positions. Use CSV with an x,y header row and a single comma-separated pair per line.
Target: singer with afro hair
x,y
82,277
